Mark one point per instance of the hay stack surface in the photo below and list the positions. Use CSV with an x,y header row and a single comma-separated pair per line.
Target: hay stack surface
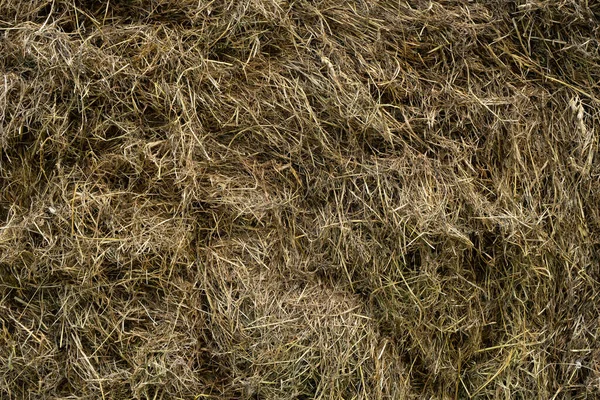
x,y
273,199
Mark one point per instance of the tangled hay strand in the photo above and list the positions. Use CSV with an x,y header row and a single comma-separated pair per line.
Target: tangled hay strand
x,y
272,199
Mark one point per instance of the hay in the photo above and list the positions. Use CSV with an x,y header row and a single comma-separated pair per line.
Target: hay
x,y
302,199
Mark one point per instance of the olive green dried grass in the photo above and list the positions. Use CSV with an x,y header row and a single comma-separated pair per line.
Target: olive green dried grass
x,y
299,199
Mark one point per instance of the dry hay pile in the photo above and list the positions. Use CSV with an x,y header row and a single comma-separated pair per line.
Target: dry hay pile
x,y
272,199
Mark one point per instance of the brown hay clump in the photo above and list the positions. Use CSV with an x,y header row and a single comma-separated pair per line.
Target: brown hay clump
x,y
270,199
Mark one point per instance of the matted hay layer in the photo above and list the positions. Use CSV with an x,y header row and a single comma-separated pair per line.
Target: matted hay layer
x,y
269,199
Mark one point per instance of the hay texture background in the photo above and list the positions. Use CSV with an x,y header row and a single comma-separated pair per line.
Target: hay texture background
x,y
294,199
